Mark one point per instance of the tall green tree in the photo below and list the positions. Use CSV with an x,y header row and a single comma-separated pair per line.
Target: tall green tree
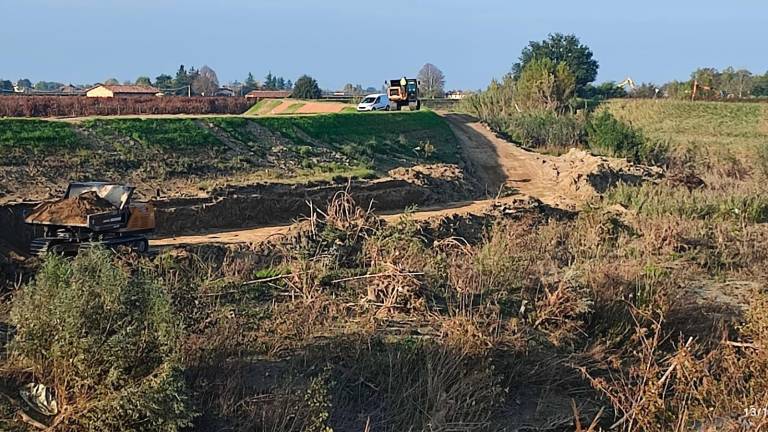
x,y
182,78
760,86
143,80
306,87
6,85
560,48
706,77
270,82
250,84
545,85
24,83
164,81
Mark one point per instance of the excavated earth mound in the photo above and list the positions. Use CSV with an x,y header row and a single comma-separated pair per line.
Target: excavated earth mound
x,y
448,180
71,211
580,173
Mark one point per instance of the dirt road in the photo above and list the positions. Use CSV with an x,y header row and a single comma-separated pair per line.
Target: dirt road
x,y
504,169
255,235
499,164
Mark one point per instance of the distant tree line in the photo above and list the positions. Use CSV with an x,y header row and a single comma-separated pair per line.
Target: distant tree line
x,y
711,83
26,84
717,84
186,81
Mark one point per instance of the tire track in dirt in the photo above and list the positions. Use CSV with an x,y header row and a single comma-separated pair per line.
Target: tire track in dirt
x,y
500,164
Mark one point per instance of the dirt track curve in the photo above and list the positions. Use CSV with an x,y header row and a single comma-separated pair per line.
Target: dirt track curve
x,y
499,164
496,163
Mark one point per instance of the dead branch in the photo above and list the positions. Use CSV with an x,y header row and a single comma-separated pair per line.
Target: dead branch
x,y
369,276
252,282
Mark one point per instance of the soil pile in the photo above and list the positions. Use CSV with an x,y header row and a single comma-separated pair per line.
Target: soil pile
x,y
580,174
447,181
71,211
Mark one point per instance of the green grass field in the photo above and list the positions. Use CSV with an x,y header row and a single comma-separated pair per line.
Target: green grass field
x,y
380,138
238,150
167,134
735,127
35,136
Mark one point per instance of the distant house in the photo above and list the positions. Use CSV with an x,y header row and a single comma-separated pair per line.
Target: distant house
x,y
108,91
455,95
224,91
258,95
70,90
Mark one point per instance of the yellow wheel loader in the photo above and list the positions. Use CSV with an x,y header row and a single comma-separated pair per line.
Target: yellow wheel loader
x,y
403,92
92,213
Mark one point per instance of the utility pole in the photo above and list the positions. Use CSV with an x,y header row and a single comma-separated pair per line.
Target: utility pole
x,y
189,90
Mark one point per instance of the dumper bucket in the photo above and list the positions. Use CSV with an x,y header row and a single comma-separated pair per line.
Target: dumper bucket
x,y
117,194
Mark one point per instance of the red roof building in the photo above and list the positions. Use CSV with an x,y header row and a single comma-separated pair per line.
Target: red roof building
x,y
109,90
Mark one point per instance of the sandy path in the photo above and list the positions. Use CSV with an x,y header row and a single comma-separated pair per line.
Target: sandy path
x,y
322,107
283,106
255,235
499,164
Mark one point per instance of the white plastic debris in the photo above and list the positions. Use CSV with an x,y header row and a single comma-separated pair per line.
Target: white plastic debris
x,y
40,398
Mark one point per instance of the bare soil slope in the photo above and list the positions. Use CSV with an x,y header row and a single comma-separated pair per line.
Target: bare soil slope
x,y
560,181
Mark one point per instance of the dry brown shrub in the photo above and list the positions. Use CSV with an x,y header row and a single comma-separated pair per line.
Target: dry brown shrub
x,y
399,266
559,311
419,386
337,234
659,379
668,235
730,382
633,375
306,277
597,233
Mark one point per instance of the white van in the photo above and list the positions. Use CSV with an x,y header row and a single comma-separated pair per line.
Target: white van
x,y
374,102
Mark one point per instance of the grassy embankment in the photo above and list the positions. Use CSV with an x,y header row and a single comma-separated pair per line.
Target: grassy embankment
x,y
230,150
738,128
726,144
263,106
18,137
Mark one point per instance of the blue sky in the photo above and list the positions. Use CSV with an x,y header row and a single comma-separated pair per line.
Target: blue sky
x,y
366,41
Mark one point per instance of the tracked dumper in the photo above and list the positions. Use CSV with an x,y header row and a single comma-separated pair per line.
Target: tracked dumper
x,y
403,92
92,213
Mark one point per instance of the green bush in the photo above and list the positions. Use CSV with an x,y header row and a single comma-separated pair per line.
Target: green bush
x,y
546,130
609,136
106,340
545,85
